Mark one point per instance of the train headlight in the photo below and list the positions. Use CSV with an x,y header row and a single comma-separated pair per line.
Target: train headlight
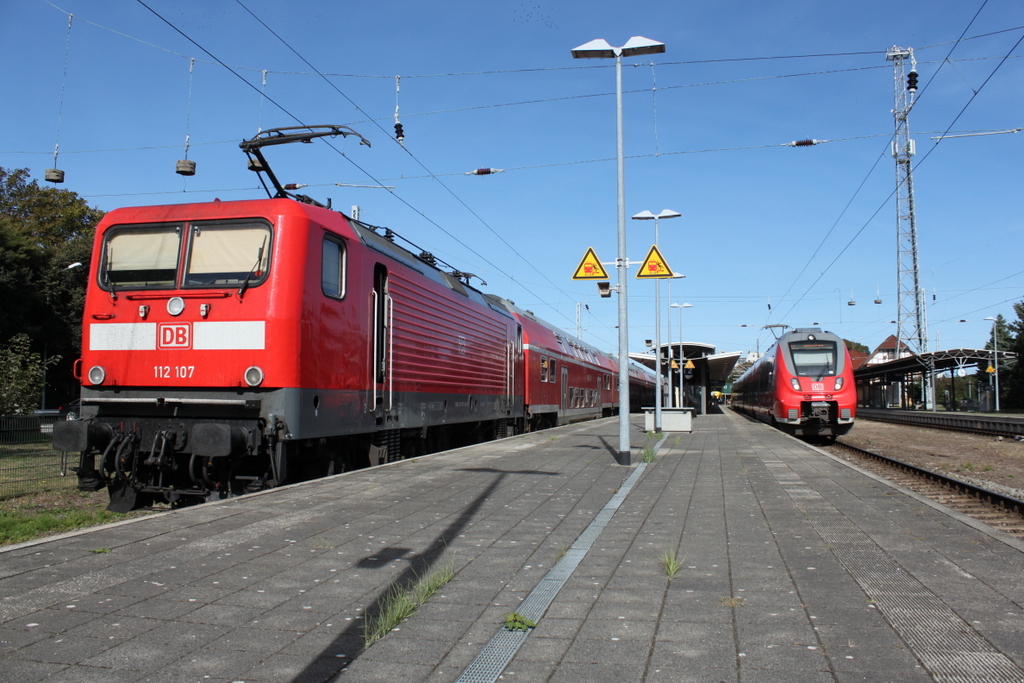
x,y
795,382
254,376
97,374
839,383
175,305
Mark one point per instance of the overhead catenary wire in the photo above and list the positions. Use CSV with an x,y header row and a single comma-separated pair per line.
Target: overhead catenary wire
x,y
536,69
424,167
658,150
919,163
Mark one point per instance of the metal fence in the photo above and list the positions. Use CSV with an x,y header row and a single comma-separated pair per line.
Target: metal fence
x,y
28,463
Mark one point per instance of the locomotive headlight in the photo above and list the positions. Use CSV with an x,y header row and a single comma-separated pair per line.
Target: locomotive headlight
x,y
175,305
795,382
254,376
97,374
839,383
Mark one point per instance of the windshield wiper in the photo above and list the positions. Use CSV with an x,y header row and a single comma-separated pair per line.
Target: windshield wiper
x,y
248,276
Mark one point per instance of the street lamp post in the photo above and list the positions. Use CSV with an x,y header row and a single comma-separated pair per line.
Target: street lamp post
x,y
682,356
995,356
595,49
668,344
646,216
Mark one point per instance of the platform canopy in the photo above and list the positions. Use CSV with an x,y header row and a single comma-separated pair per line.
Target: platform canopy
x,y
716,366
938,361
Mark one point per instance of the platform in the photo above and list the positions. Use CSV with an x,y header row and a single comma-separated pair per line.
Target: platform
x,y
794,567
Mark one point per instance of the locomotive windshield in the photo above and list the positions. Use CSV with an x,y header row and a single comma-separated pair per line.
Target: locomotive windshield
x,y
215,255
143,257
227,256
813,358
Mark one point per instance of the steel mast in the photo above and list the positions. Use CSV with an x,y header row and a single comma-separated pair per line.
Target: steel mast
x,y
910,324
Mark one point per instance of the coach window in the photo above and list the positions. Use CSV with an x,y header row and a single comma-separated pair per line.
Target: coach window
x,y
228,254
332,268
543,369
552,375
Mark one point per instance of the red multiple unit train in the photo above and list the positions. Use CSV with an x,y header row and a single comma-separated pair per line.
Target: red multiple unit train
x,y
234,346
803,385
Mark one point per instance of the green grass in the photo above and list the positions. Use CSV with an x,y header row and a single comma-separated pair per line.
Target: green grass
x,y
562,550
671,563
29,468
19,526
400,603
647,454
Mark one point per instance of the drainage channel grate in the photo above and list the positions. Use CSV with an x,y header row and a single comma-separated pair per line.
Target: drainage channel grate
x,y
499,651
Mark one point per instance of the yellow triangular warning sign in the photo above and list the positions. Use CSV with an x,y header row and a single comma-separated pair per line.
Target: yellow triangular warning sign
x,y
590,268
654,266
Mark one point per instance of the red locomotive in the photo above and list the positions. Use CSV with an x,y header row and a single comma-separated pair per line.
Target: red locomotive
x,y
235,346
803,385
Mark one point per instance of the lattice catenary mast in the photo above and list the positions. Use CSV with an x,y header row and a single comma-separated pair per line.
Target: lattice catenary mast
x,y
910,321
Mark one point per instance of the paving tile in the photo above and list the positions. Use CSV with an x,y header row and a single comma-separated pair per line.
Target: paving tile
x,y
273,587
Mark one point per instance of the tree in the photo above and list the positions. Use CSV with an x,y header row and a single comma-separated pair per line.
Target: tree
x,y
21,376
1011,372
854,346
43,231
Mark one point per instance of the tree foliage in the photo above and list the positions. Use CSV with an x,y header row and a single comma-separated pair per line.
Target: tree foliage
x,y
43,231
856,346
1011,372
21,376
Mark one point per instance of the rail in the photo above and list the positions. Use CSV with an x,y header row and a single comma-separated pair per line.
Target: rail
x,y
998,425
979,492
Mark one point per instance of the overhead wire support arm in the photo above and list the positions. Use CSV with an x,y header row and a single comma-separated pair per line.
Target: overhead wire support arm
x,y
282,136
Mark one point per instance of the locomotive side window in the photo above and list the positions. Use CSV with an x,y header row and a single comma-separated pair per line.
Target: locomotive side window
x,y
332,268
813,358
141,257
228,254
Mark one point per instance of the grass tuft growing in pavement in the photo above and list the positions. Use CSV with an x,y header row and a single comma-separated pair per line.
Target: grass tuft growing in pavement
x,y
400,603
671,563
647,454
562,550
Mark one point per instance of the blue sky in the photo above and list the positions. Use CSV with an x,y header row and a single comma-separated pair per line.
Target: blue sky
x,y
493,84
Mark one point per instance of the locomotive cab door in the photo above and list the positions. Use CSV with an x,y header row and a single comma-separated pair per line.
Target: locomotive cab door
x,y
383,314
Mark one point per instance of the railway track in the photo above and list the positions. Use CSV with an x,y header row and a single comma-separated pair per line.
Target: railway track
x,y
974,423
995,509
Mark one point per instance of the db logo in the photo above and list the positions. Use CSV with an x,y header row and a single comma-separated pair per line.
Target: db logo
x,y
174,335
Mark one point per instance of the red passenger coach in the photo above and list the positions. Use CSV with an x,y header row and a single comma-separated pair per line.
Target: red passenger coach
x,y
803,384
566,380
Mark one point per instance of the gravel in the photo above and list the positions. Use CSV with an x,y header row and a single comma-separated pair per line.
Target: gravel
x,y
993,462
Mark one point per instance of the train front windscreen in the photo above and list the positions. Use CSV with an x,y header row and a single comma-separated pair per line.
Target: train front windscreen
x,y
813,358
